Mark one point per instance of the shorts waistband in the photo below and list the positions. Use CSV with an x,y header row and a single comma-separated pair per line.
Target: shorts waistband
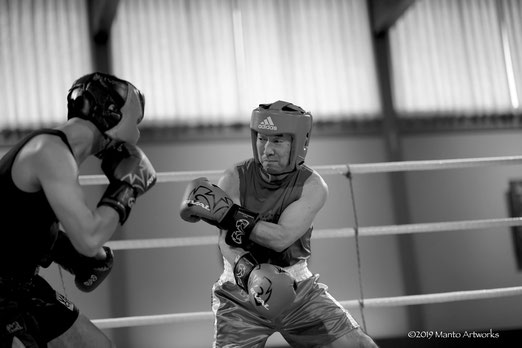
x,y
299,271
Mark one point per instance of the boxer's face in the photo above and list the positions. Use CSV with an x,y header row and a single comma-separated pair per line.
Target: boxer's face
x,y
274,151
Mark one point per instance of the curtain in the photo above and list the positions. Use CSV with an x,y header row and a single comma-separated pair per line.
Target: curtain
x,y
44,47
460,57
511,23
213,61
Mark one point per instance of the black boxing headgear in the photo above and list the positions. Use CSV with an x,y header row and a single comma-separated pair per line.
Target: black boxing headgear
x,y
108,102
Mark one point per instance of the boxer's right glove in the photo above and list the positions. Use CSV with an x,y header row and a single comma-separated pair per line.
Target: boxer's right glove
x,y
243,267
89,272
130,175
270,288
208,202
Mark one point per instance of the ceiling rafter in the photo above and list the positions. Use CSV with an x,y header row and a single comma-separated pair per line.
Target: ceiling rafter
x,y
101,16
384,13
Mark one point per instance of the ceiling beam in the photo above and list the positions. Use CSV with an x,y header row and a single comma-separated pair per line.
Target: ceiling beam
x,y
101,15
384,13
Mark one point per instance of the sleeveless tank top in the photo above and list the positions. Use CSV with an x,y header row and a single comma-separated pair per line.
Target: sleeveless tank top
x,y
29,225
270,199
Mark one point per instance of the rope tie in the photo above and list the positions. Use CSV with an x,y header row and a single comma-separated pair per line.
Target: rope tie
x,y
63,282
357,249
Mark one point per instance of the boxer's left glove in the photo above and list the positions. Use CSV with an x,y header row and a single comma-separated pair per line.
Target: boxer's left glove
x,y
208,202
130,175
270,288
89,272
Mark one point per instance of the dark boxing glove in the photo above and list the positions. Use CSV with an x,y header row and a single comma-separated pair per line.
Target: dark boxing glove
x,y
89,272
208,202
130,175
242,269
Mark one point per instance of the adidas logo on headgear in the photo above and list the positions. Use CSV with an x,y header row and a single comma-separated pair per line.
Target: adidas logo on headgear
x,y
267,123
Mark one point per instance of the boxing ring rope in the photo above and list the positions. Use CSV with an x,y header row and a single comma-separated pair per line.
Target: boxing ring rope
x,y
346,169
328,233
112,323
343,169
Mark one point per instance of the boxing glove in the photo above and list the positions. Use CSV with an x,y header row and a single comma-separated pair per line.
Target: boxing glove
x,y
208,202
130,175
271,290
243,266
89,272
92,272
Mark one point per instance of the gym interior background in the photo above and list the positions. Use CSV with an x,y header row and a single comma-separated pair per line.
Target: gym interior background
x,y
386,80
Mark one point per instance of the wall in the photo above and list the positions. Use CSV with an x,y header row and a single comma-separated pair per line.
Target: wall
x,y
178,280
465,260
448,261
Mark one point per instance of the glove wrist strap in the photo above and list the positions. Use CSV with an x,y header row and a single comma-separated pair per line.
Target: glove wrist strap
x,y
64,253
121,197
242,269
239,223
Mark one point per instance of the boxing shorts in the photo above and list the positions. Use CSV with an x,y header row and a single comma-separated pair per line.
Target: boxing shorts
x,y
32,311
314,319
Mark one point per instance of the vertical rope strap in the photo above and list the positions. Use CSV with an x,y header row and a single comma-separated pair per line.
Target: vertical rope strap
x,y
357,249
61,278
